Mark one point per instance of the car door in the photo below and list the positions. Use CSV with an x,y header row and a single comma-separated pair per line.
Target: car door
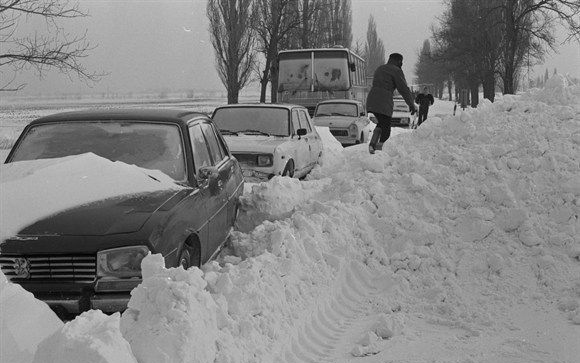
x,y
302,153
230,174
215,200
312,138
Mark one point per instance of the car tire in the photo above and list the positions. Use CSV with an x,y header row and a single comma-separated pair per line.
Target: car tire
x,y
190,256
362,138
289,169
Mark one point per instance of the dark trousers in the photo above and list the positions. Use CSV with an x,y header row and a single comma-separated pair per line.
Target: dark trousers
x,y
422,115
384,123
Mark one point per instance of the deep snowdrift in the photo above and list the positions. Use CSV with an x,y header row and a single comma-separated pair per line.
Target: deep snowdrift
x,y
458,242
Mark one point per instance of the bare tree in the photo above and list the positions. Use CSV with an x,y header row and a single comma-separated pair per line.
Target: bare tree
x,y
275,20
324,23
527,27
59,50
374,53
335,23
232,38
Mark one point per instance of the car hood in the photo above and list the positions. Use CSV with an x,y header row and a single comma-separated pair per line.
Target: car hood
x,y
80,195
121,214
254,143
334,121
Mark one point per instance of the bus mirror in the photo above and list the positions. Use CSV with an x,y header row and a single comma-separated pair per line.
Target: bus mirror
x,y
352,67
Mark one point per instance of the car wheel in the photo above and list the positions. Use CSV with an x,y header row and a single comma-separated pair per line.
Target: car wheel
x,y
289,169
362,138
190,256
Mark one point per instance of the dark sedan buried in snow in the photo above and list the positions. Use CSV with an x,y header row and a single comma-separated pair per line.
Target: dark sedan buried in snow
x,y
88,256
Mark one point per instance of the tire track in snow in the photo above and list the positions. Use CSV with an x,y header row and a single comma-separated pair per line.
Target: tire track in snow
x,y
322,336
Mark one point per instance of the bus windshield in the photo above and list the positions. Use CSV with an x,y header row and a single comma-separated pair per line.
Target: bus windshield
x,y
331,71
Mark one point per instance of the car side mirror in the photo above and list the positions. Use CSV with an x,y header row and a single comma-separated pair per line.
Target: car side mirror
x,y
363,113
301,132
352,67
206,176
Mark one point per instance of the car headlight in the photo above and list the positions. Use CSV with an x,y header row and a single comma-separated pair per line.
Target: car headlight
x,y
265,160
121,262
353,130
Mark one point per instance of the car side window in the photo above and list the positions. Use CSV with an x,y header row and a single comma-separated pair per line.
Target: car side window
x,y
216,151
304,121
201,156
295,121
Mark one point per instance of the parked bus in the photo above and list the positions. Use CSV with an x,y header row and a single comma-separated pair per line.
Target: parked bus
x,y
308,76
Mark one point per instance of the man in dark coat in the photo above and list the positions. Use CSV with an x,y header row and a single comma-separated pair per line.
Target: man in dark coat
x,y
387,78
424,100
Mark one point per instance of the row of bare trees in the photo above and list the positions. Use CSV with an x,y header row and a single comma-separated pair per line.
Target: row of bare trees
x,y
247,35
483,42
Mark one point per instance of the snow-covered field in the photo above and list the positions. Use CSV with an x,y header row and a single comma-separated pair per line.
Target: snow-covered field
x,y
459,242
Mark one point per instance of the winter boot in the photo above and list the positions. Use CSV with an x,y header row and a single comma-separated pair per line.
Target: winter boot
x,y
374,140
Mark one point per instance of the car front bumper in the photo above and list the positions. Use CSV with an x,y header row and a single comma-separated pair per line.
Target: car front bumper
x,y
75,304
256,176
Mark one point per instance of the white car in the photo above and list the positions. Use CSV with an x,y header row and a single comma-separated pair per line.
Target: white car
x,y
401,115
346,119
270,139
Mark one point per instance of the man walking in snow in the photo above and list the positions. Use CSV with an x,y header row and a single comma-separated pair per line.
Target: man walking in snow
x,y
424,100
387,78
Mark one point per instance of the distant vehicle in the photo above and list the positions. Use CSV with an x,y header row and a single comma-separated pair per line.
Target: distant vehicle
x,y
308,76
401,115
346,119
89,257
270,139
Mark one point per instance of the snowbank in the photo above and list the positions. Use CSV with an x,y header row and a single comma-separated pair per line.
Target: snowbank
x,y
32,190
24,323
170,317
92,337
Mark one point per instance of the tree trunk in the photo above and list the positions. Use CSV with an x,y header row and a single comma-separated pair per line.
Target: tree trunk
x,y
489,86
474,89
274,81
264,81
449,85
233,94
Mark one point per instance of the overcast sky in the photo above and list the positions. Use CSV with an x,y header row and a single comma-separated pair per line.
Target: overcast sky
x,y
164,44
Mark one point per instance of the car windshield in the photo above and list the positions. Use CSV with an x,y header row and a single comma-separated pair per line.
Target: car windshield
x,y
253,120
147,145
336,109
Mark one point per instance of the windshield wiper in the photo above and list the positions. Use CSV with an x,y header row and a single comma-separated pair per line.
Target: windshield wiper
x,y
255,132
340,114
229,132
321,114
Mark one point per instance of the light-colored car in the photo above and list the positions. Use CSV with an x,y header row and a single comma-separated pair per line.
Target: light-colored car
x,y
346,119
270,139
401,114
